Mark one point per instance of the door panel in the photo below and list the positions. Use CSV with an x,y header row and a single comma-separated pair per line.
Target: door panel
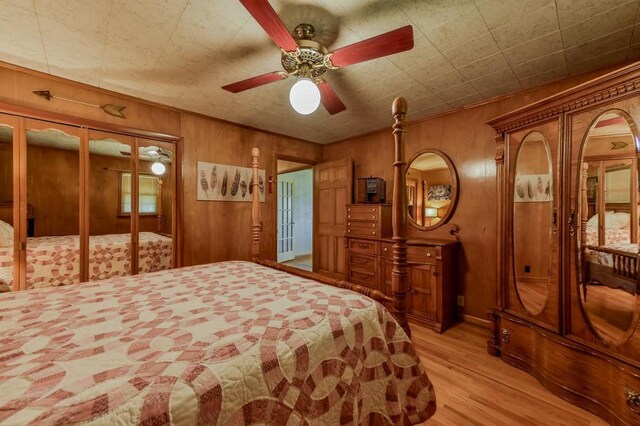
x,y
422,284
333,184
10,253
285,220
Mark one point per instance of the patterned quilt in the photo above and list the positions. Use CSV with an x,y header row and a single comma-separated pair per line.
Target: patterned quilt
x,y
53,261
617,239
230,343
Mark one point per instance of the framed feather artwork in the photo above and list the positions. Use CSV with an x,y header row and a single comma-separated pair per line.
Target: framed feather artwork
x,y
533,188
221,182
439,193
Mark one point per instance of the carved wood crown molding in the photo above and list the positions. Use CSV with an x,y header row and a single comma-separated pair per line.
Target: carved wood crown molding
x,y
499,138
623,89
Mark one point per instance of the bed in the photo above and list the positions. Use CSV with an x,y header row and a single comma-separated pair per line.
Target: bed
x,y
235,342
613,264
53,261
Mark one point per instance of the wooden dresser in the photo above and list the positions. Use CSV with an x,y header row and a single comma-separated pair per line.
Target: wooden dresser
x,y
431,275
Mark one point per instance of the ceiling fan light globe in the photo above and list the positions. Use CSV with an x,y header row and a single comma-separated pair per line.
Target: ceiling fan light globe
x,y
304,96
158,168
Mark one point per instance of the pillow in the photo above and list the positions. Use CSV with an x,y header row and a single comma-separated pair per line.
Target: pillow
x,y
6,234
611,221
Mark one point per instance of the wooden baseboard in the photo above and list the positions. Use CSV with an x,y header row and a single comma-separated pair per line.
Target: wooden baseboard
x,y
475,320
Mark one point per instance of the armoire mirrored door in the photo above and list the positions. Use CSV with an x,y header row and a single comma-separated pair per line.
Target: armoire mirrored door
x,y
52,204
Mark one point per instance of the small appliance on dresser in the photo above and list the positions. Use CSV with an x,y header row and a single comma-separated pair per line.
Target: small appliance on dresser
x,y
431,274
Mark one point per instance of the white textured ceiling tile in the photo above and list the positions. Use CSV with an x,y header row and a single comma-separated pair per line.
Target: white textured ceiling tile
x,y
505,88
444,81
428,15
466,100
497,12
635,39
433,67
600,25
422,50
485,66
374,19
536,48
458,31
456,92
634,52
599,46
22,4
540,79
22,45
605,60
534,25
85,17
540,65
496,79
475,49
571,12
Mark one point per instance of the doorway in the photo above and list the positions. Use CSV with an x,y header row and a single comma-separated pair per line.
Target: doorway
x,y
295,214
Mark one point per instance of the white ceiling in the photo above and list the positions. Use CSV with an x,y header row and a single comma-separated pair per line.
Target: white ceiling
x,y
180,52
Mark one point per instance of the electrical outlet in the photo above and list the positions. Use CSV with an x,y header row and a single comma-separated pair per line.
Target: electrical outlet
x,y
527,268
460,300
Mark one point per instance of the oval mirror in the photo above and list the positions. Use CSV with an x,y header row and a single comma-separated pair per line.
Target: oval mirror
x,y
432,189
608,226
532,222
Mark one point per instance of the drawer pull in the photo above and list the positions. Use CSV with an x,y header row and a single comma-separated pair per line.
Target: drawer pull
x,y
373,209
374,216
505,336
633,400
428,254
373,233
386,249
363,245
360,275
349,217
374,225
348,210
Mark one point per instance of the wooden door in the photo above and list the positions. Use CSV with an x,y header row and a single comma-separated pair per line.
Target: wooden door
x,y
333,186
285,220
422,291
12,255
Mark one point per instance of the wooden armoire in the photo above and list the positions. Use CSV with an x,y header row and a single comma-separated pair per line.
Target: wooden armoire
x,y
567,267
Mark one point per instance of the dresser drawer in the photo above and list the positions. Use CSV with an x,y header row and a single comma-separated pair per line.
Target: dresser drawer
x,y
363,229
422,254
368,279
387,250
363,246
363,263
363,212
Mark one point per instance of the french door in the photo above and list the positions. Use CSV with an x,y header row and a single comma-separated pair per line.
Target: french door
x,y
286,224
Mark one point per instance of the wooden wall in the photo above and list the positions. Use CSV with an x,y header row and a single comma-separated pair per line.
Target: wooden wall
x,y
469,142
213,231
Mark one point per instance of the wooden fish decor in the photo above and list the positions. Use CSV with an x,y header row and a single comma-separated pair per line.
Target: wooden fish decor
x,y
111,109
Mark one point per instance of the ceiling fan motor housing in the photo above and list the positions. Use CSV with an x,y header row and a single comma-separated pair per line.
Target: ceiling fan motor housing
x,y
311,53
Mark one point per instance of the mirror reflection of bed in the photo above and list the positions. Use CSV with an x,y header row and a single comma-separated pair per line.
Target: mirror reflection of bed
x,y
53,204
429,188
609,226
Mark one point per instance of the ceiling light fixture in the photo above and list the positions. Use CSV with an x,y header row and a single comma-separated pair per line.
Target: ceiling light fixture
x,y
158,168
304,96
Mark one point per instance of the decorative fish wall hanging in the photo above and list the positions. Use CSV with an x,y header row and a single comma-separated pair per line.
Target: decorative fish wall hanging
x,y
111,109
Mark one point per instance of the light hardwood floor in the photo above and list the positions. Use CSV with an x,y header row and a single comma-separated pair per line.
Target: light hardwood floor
x,y
474,388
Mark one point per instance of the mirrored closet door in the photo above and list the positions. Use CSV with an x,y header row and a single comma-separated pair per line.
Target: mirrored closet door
x,y
110,203
52,204
9,250
156,182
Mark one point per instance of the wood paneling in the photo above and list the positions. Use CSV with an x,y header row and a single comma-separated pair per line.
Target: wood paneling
x,y
469,143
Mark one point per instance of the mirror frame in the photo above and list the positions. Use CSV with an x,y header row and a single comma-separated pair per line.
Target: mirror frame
x,y
578,264
454,189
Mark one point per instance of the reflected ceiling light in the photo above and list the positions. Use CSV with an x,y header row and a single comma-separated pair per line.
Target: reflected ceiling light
x,y
158,168
304,96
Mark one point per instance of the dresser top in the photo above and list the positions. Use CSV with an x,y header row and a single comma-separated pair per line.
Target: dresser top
x,y
411,242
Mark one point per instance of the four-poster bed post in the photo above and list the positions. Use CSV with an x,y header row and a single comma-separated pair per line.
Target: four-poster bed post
x,y
399,274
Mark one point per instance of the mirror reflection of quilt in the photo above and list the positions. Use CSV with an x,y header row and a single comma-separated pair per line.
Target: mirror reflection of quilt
x,y
230,343
53,261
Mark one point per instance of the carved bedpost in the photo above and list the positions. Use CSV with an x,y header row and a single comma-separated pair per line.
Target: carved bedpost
x,y
256,226
399,217
583,211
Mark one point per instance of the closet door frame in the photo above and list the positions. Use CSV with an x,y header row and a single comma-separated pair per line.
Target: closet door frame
x,y
17,116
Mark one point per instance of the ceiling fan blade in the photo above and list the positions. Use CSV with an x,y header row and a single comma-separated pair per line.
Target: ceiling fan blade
x,y
252,82
395,41
329,98
269,20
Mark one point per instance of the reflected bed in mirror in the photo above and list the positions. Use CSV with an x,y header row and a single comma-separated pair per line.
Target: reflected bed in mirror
x,y
533,222
432,189
608,220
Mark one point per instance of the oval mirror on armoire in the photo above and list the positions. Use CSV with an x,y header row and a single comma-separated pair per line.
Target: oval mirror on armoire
x,y
608,226
532,222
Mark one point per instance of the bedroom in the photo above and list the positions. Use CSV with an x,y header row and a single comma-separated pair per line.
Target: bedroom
x,y
471,68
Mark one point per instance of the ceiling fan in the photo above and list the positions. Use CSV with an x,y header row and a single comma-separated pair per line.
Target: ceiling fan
x,y
306,59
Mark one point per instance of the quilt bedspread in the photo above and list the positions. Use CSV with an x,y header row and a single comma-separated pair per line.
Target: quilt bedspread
x,y
53,261
227,343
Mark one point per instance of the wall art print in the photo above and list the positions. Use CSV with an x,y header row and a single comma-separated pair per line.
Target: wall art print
x,y
221,182
533,188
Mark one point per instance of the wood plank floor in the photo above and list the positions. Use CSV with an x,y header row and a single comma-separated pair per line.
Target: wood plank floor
x,y
474,388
